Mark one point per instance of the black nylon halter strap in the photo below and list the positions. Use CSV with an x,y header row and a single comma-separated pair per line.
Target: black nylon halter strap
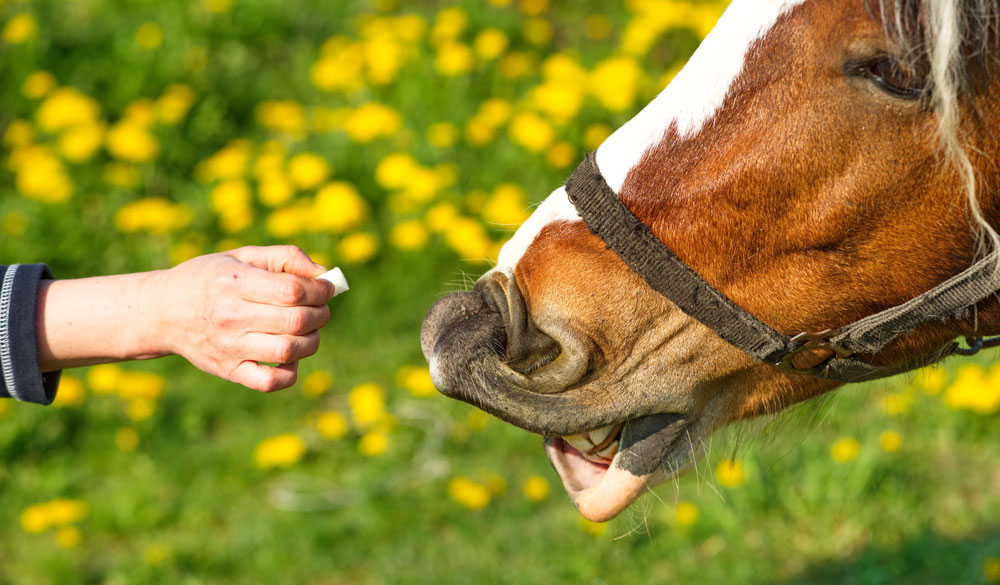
x,y
641,250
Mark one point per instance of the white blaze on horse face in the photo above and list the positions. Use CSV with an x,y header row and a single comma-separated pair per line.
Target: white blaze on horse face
x,y
691,99
556,207
697,92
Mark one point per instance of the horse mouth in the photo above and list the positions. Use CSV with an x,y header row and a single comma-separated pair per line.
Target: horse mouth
x,y
484,349
605,470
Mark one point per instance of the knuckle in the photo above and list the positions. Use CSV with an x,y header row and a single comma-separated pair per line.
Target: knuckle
x,y
291,292
284,351
221,316
297,321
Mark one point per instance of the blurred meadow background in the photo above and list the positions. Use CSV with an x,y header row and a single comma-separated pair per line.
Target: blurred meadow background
x,y
403,141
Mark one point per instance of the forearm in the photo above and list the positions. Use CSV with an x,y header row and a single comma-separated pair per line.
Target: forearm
x,y
95,320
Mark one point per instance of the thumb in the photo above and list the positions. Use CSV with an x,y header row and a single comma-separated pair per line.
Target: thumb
x,y
288,259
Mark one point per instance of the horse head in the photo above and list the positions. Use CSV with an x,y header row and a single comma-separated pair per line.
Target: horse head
x,y
816,162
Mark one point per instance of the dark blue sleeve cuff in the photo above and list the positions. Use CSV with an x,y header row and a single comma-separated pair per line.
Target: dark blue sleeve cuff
x,y
21,377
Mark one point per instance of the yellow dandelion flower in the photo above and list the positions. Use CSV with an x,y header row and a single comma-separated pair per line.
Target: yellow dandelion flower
x,y
20,28
317,383
219,6
440,216
79,143
308,170
453,59
70,392
533,7
285,222
535,488
442,134
331,424
126,439
173,105
231,200
531,131
141,112
897,403
598,27
38,84
501,2
516,64
538,31
685,514
283,450
103,379
64,511
559,100
270,159
890,441
122,175
729,473
154,215
68,537
41,176
358,248
416,379
338,208
449,24
478,132
496,111
615,83
561,155
367,402
230,162
149,36
35,519
991,569
132,142
373,444
18,133
932,380
506,207
275,189
395,170
140,409
973,390
183,251
595,135
592,528
468,493
140,385
409,235
340,69
287,116
65,107
371,121
565,68
491,44
467,237
845,450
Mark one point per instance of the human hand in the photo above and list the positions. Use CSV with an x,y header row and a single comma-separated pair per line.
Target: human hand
x,y
226,312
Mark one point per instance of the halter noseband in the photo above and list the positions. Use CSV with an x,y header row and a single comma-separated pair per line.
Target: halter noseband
x,y
641,250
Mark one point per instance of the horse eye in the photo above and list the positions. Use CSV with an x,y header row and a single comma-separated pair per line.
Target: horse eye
x,y
896,78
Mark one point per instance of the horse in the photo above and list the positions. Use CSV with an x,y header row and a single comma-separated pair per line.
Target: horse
x,y
809,203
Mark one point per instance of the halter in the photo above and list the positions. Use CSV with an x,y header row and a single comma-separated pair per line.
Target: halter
x,y
641,250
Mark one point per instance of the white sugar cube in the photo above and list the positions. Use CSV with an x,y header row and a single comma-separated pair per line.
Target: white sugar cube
x,y
336,276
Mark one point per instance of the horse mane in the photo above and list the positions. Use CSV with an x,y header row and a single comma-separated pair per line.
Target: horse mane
x,y
955,42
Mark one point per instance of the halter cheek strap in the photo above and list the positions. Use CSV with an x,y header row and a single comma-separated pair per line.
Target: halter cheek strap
x,y
641,250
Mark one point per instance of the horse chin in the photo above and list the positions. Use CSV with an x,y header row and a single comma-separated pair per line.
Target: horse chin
x,y
604,479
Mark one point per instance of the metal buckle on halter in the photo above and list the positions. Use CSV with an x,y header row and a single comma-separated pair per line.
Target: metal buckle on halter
x,y
807,341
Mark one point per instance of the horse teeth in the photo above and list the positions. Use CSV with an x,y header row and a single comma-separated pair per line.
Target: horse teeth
x,y
597,436
609,452
580,442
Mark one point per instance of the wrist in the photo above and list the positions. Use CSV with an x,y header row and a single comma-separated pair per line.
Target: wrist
x,y
152,337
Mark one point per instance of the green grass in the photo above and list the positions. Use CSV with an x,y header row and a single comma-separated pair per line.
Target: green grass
x,y
188,505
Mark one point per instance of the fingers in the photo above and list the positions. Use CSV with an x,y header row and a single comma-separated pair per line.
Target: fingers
x,y
278,349
262,318
285,290
290,259
265,378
